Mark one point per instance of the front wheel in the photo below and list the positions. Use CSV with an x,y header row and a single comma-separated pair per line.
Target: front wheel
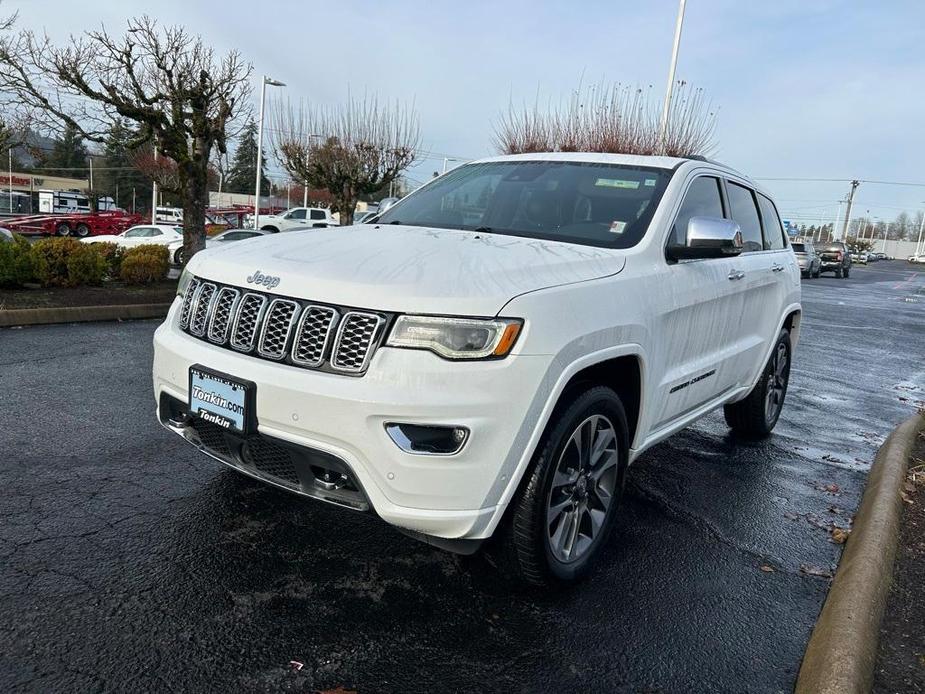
x,y
63,229
757,414
557,525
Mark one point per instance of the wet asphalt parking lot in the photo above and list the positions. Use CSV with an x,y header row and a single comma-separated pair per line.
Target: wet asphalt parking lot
x,y
130,562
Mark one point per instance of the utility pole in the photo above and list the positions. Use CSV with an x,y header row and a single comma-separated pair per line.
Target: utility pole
x,y
854,186
263,98
11,179
666,108
154,190
305,194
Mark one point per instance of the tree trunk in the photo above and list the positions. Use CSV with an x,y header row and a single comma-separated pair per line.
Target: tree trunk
x,y
346,204
194,189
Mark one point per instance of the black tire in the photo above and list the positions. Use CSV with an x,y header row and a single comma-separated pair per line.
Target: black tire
x,y
62,229
178,256
754,417
83,231
521,548
272,230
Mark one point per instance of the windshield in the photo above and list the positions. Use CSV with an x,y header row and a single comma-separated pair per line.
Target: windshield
x,y
594,204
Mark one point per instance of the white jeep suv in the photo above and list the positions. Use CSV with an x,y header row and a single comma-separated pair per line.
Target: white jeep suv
x,y
489,357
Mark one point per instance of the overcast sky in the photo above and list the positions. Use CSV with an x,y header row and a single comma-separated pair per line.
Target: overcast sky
x,y
803,88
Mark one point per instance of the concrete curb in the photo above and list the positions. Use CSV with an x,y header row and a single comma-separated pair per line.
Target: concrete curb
x,y
842,650
80,314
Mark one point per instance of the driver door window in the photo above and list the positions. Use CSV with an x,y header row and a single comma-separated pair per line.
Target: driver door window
x,y
703,199
296,214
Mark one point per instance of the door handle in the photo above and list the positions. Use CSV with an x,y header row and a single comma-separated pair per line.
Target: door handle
x,y
777,267
737,275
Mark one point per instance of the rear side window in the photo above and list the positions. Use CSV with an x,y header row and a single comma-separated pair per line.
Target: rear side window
x,y
703,199
774,238
744,211
318,214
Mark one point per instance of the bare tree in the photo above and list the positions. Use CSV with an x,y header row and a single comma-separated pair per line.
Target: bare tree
x,y
350,150
166,80
611,118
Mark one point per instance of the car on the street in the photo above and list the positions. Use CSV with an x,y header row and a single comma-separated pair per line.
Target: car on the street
x,y
808,260
298,218
484,363
6,236
835,257
920,258
176,247
140,235
859,257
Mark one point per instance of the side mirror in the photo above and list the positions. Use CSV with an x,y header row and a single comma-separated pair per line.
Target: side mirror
x,y
709,237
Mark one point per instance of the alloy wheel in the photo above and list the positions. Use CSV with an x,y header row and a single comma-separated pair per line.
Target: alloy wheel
x,y
582,490
776,384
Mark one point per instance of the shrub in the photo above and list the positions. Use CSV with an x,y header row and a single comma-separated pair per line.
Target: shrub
x,y
51,256
67,262
112,253
85,265
144,264
17,263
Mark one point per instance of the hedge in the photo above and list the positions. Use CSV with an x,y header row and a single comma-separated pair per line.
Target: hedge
x,y
17,263
145,264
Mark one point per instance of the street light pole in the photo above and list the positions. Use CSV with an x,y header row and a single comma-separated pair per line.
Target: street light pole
x,y
663,127
154,190
919,242
263,97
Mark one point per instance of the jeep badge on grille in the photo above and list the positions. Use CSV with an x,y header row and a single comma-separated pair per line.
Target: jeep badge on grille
x,y
267,281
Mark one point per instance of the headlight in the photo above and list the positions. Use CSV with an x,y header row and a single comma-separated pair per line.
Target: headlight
x,y
456,338
185,278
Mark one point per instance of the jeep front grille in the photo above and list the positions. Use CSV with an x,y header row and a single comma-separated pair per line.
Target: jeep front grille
x,y
293,331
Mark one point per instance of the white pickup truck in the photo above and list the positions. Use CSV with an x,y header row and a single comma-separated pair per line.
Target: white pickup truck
x,y
484,362
298,218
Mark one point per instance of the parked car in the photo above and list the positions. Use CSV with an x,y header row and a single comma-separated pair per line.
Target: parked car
x,y
143,234
298,218
176,248
808,260
489,358
835,258
363,216
6,236
859,257
920,258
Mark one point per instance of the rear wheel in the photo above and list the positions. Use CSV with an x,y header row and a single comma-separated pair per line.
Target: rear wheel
x,y
557,525
83,230
63,229
757,414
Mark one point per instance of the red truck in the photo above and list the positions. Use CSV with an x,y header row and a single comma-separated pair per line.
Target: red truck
x,y
82,225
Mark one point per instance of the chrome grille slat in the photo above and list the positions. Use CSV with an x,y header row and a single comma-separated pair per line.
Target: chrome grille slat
x,y
316,327
247,320
277,327
220,321
295,331
355,338
199,314
191,290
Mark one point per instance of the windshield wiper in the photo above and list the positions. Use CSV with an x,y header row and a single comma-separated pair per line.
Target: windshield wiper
x,y
484,230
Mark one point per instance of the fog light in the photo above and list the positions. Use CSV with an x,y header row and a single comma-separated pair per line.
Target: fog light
x,y
428,439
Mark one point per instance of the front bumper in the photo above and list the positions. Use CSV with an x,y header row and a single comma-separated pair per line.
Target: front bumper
x,y
344,417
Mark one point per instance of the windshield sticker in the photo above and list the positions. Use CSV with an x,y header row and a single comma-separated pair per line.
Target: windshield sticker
x,y
616,183
617,227
650,182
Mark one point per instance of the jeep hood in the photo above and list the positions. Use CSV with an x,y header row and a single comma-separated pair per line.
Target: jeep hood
x,y
406,269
